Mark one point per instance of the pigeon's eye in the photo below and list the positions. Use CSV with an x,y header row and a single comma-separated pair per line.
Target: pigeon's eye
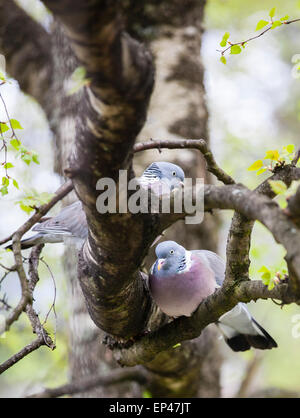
x,y
171,251
174,173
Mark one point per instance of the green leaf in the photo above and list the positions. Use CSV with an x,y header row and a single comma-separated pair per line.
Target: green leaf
x,y
15,124
176,345
266,276
3,127
2,76
272,12
261,24
35,158
5,181
225,39
272,155
256,165
261,171
26,208
79,74
281,200
283,19
147,394
276,24
27,158
15,143
263,269
223,59
15,183
278,186
235,49
290,148
4,190
8,165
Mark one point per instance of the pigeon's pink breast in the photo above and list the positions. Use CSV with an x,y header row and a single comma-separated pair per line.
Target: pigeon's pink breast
x,y
180,294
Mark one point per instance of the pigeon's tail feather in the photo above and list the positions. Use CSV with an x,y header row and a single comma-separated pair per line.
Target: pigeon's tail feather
x,y
238,342
28,242
243,342
262,340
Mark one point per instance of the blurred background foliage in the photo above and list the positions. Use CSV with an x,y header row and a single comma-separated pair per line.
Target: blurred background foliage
x,y
254,106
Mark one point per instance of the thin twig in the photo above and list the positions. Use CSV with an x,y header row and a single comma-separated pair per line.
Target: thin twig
x,y
242,43
52,307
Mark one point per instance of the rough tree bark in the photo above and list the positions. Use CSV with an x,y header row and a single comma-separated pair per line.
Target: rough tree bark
x,y
97,128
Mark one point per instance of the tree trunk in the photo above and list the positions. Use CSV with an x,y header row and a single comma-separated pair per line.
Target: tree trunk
x,y
113,108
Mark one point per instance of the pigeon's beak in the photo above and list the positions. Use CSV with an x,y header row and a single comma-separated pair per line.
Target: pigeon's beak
x,y
160,263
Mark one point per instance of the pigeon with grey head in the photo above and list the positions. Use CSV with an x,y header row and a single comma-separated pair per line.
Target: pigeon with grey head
x,y
70,223
162,177
179,280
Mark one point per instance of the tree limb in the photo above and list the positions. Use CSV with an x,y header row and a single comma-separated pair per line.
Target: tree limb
x,y
83,385
188,328
34,345
26,305
239,237
27,49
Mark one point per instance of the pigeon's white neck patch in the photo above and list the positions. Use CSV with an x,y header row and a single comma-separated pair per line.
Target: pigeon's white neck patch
x,y
148,179
185,263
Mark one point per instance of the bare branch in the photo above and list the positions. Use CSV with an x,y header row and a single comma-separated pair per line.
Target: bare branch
x,y
199,144
25,304
114,377
34,345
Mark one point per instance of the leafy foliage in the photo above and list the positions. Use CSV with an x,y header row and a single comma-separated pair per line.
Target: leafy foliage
x,y
11,142
266,25
78,80
31,200
282,158
271,277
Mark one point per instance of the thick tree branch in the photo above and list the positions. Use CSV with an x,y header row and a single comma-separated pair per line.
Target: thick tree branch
x,y
27,50
239,237
293,208
187,328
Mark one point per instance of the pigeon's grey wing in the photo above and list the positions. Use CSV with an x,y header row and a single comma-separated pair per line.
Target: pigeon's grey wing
x,y
216,263
71,221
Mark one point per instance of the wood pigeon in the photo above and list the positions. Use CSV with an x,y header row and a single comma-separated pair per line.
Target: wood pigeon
x,y
179,280
71,224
